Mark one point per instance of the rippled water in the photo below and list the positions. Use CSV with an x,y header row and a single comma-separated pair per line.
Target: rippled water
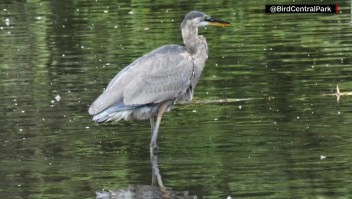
x,y
277,135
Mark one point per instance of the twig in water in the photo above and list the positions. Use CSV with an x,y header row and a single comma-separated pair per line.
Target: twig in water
x,y
224,100
338,94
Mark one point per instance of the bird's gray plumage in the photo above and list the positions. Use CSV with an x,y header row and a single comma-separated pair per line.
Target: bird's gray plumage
x,y
148,80
150,85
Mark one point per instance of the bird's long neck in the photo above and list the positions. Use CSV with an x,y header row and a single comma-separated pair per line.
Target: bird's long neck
x,y
191,39
197,47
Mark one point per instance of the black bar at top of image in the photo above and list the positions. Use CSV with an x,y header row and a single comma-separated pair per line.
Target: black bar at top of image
x,y
301,8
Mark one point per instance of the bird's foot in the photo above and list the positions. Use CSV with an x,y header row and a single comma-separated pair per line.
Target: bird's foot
x,y
154,149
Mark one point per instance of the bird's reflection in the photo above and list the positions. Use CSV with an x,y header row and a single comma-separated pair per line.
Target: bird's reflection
x,y
156,190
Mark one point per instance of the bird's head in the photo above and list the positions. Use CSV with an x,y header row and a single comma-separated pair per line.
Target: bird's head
x,y
196,18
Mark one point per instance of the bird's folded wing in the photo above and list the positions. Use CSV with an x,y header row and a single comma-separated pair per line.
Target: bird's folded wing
x,y
158,76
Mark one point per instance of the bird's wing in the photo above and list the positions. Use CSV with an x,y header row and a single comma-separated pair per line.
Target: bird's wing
x,y
157,76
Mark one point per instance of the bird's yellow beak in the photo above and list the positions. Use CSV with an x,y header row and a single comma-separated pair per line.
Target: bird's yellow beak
x,y
216,22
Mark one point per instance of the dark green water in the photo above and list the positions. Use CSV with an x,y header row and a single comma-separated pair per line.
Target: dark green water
x,y
283,139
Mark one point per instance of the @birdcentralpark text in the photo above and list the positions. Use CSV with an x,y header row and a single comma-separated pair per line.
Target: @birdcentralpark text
x,y
328,9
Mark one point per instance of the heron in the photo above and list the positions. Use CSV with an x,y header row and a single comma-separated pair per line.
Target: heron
x,y
153,83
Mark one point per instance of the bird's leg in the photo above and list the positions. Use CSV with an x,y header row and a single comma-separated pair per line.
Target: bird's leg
x,y
153,146
156,176
152,125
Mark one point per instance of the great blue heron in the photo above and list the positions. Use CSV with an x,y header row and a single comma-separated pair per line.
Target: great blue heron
x,y
150,85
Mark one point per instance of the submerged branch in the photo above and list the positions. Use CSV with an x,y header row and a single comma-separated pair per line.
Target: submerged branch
x,y
224,100
338,94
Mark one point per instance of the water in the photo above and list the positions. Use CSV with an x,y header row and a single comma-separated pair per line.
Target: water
x,y
283,138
